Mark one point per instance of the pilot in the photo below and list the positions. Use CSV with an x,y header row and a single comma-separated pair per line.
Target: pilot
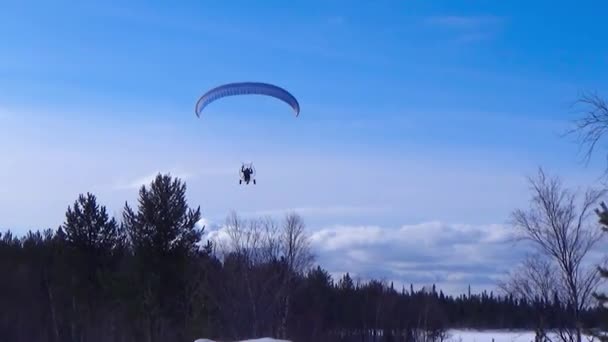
x,y
247,171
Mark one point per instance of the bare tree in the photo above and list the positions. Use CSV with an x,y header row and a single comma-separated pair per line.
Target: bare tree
x,y
295,244
261,258
257,240
536,281
250,247
560,229
295,247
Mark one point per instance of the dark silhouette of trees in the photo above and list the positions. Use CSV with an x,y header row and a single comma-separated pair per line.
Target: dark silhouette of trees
x,y
152,277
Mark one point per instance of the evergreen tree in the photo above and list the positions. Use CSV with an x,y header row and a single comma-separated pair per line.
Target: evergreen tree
x,y
92,240
164,224
89,228
164,237
346,283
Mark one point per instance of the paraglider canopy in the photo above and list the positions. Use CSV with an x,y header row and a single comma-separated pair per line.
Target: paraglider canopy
x,y
247,88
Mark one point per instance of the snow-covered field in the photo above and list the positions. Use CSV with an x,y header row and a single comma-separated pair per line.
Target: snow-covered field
x,y
265,339
492,336
455,336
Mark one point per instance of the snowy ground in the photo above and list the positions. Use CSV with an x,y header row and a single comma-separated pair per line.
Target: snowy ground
x,y
456,336
492,336
265,339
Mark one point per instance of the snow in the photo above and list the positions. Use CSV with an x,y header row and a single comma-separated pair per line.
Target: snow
x,y
454,335
489,335
464,335
264,339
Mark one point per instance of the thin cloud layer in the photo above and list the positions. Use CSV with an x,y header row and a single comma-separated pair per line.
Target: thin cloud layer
x,y
146,180
463,22
321,211
466,29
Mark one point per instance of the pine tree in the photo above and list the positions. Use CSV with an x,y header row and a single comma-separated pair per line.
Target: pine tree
x,y
88,226
346,283
91,238
163,224
164,237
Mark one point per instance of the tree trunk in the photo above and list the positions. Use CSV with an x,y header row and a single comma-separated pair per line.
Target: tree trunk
x,y
51,299
73,327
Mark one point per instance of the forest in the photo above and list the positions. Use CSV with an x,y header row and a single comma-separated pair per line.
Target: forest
x,y
151,276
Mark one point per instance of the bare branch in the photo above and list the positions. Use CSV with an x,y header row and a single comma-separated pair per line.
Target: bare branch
x,y
296,244
592,125
561,231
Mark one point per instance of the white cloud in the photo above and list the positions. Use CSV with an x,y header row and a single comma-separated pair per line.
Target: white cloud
x,y
203,222
421,235
450,255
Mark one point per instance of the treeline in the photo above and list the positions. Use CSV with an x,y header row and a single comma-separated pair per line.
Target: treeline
x,y
151,277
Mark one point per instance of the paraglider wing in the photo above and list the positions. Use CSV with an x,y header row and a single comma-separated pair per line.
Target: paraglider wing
x,y
247,88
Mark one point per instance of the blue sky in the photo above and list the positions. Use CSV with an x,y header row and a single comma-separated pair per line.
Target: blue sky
x,y
417,117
